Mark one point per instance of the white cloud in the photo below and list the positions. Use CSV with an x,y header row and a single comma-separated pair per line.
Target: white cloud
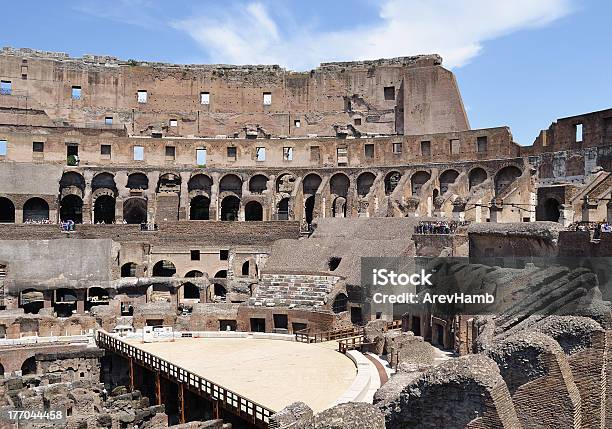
x,y
250,34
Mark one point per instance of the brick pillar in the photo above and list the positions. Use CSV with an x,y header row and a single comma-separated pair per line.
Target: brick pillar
x,y
80,295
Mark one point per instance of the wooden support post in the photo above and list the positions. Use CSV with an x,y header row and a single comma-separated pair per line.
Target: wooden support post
x,y
131,374
158,399
181,398
215,409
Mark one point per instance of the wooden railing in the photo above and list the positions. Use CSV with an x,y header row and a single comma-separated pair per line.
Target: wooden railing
x,y
305,336
231,401
358,341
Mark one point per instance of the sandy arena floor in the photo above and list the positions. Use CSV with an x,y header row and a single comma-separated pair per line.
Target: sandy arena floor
x,y
273,373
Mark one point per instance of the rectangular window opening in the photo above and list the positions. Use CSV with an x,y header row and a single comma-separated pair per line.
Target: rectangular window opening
x,y
76,92
357,121
223,255
369,151
288,153
170,152
3,147
426,148
173,123
260,154
389,92
38,147
397,148
138,153
342,156
231,153
195,255
315,154
105,150
454,146
204,98
578,132
142,96
108,120
201,156
297,123
6,87
267,98
481,144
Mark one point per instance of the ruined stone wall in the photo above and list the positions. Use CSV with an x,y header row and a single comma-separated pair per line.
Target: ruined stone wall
x,y
378,97
302,290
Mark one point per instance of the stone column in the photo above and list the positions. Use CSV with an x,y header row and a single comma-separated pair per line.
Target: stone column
x,y
496,210
80,295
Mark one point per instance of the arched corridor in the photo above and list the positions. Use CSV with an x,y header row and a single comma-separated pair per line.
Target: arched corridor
x,y
135,210
71,208
35,210
253,211
104,209
230,206
199,209
7,211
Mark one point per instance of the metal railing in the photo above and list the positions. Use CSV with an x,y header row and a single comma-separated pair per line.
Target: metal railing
x,y
231,401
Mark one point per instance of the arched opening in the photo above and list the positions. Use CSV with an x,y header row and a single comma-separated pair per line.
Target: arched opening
x,y
194,273
71,179
446,179
191,291
164,268
71,208
364,183
128,269
505,177
96,296
340,303
309,205
64,302
285,183
200,182
199,209
311,184
339,207
339,184
35,210
231,183
104,209
7,211
138,182
1,371
230,206
28,367
135,210
245,268
31,300
392,179
477,176
219,292
253,211
283,209
169,182
333,263
417,181
258,184
221,274
551,210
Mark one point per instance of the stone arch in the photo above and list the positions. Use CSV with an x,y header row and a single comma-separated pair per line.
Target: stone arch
x,y
28,367
339,207
505,177
253,211
104,180
190,291
137,181
447,178
169,182
477,176
364,183
219,292
31,300
392,179
135,210
72,183
339,185
35,209
417,181
549,210
221,274
194,274
340,303
129,269
285,183
199,208
283,209
311,183
231,183
164,268
71,208
230,206
200,182
104,209
7,210
258,183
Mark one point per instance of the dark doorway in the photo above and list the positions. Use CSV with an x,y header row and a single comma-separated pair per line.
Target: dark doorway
x,y
71,208
7,211
35,210
164,269
199,208
229,208
281,321
440,335
258,325
309,208
253,211
551,210
356,317
104,209
135,210
416,325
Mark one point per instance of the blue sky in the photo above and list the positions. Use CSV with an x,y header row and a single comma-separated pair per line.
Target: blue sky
x,y
521,63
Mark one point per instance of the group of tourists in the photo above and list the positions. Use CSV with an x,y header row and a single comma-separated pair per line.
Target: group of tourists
x,y
67,226
38,222
438,227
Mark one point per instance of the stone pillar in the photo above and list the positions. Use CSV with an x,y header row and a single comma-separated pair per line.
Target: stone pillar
x,y
87,209
48,297
609,212
80,296
496,210
567,214
214,213
184,196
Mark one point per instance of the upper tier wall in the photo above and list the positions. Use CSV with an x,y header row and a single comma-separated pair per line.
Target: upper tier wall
x,y
407,95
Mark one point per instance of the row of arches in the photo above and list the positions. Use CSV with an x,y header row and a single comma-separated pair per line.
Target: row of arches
x,y
34,210
166,268
134,209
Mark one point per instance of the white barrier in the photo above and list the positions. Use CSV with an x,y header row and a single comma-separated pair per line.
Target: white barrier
x,y
358,390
